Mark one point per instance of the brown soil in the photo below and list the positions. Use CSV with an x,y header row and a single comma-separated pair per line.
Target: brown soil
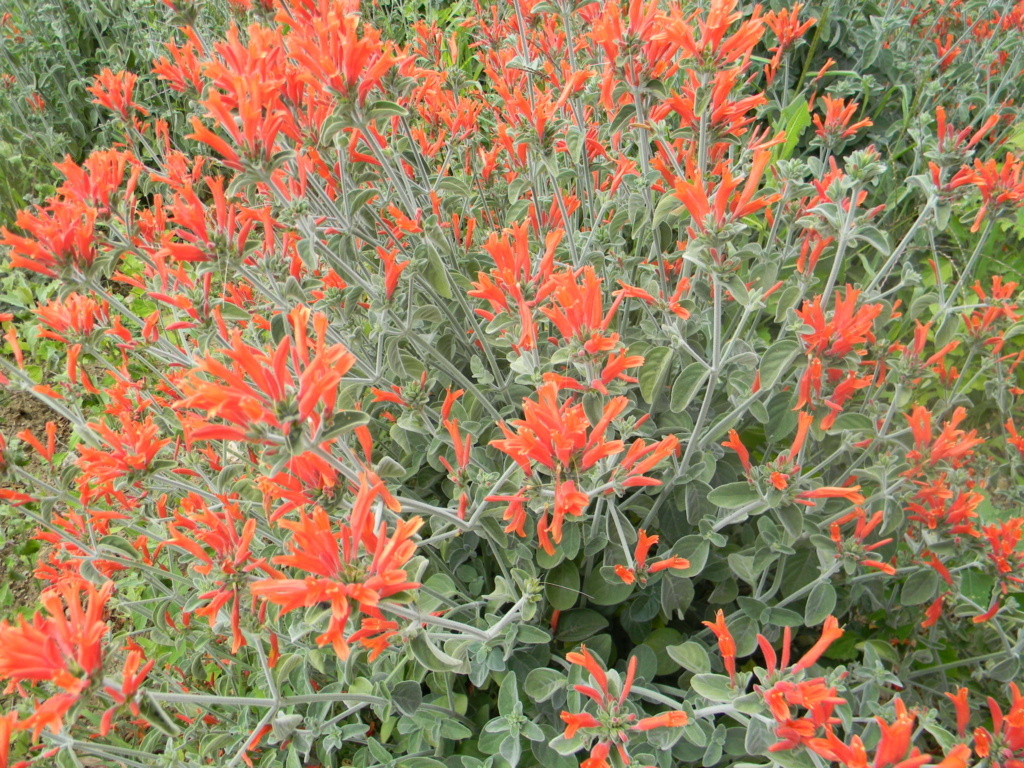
x,y
19,411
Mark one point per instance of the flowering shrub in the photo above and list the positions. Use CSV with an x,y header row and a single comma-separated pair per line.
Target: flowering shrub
x,y
50,52
532,390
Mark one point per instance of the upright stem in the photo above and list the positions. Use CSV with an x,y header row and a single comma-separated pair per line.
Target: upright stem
x,y
714,373
844,242
968,268
883,273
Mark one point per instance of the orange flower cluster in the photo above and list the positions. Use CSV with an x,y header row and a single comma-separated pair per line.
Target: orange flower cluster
x,y
353,569
846,332
558,439
260,390
613,721
641,569
63,649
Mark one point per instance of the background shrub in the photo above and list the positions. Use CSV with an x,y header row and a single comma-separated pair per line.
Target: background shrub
x,y
531,384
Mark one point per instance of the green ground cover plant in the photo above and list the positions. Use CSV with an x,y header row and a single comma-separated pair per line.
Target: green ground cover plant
x,y
539,384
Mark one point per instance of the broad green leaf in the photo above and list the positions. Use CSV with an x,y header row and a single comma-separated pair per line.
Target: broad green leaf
x,y
437,275
508,694
852,422
432,657
777,360
1006,670
714,687
383,109
920,587
657,363
691,656
602,589
676,595
155,715
876,238
734,495
579,624
563,585
407,696
667,209
783,617
695,549
794,120
820,604
659,641
543,683
686,385
343,421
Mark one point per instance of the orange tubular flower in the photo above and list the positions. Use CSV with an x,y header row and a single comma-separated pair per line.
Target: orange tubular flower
x,y
713,208
1015,439
71,318
586,660
68,639
615,722
856,545
95,181
711,45
963,711
845,331
810,384
553,434
332,50
392,270
893,751
673,719
949,140
615,368
958,757
63,648
836,125
1003,540
642,568
132,676
260,389
128,449
896,737
196,529
814,696
60,239
786,25
726,644
115,90
515,277
1006,741
560,439
852,494
736,444
1002,188
366,570
829,634
951,444
9,724
577,309
183,71
573,722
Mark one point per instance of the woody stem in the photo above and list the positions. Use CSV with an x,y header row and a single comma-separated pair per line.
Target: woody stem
x,y
844,241
438,621
414,504
968,268
204,700
883,273
716,369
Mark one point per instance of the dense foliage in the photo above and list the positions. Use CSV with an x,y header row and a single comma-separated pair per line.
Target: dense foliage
x,y
547,383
